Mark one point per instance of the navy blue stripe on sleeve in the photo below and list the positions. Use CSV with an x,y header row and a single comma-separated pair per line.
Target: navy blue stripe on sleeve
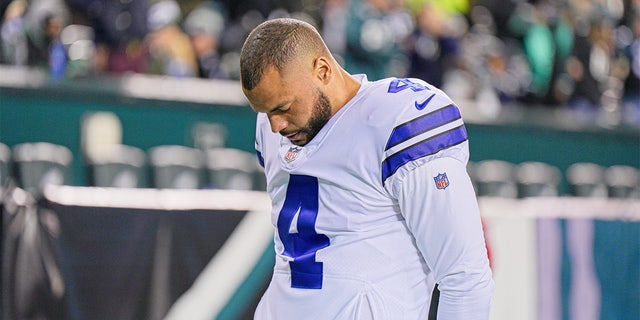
x,y
422,124
428,146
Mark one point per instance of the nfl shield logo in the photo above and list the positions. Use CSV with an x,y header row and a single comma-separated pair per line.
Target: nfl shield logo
x,y
441,180
292,154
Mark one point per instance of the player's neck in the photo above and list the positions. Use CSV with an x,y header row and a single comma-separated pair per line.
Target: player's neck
x,y
347,89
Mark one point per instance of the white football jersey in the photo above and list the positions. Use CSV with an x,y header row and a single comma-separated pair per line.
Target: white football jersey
x,y
375,211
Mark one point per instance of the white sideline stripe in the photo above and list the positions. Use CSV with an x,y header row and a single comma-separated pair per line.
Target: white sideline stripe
x,y
226,271
158,199
562,207
186,89
145,86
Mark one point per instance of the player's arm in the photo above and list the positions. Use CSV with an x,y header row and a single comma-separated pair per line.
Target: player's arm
x,y
429,139
444,217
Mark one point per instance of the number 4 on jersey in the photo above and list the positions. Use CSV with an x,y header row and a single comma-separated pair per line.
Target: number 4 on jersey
x,y
398,85
302,199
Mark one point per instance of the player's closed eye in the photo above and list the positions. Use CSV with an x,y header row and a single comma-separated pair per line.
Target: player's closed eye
x,y
282,109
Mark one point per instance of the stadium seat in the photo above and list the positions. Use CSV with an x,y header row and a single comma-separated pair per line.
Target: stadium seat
x,y
622,181
41,163
230,168
537,179
207,135
118,166
177,167
495,178
586,179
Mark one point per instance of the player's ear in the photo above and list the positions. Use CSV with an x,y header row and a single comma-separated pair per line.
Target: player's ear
x,y
322,69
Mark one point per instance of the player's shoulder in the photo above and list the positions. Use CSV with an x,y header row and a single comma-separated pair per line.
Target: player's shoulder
x,y
407,97
428,124
412,106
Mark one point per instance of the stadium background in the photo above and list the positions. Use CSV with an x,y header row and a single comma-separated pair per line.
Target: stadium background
x,y
145,249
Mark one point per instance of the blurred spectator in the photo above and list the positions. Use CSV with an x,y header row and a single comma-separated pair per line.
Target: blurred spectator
x,y
57,54
575,54
245,15
587,91
334,27
501,12
204,25
599,69
532,23
433,45
630,43
507,72
170,49
44,20
492,71
561,86
80,46
13,41
375,30
119,29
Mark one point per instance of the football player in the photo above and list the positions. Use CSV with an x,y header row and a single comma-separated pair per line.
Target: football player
x,y
374,212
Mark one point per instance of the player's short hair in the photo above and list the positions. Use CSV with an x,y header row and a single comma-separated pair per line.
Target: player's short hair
x,y
276,43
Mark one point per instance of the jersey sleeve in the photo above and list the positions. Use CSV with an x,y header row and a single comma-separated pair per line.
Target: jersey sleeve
x,y
429,125
424,168
441,211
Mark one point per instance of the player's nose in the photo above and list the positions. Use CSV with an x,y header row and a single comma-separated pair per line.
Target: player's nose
x,y
277,123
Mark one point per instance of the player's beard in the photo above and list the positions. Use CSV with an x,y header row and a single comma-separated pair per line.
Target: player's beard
x,y
319,117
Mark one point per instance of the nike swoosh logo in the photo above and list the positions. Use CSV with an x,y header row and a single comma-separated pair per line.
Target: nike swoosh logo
x,y
424,103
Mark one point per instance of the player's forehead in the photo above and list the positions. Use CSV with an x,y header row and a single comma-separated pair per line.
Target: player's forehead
x,y
270,92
